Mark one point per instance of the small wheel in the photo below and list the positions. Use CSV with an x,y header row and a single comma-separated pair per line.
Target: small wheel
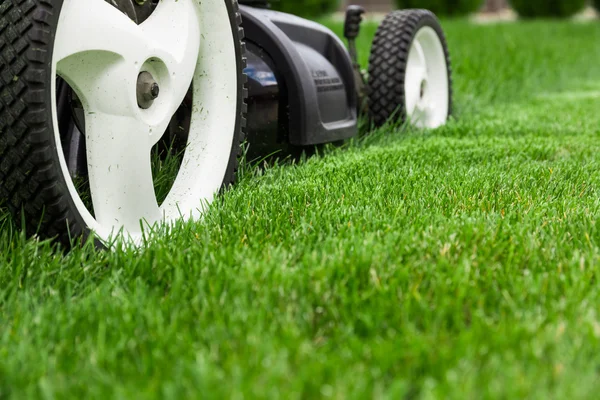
x,y
409,72
131,71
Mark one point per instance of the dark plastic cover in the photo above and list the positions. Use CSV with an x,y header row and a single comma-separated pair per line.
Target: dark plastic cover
x,y
317,72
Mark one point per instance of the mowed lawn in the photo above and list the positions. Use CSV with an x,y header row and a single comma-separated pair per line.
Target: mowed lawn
x,y
461,263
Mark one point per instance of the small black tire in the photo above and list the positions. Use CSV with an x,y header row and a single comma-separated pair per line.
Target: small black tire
x,y
387,98
33,186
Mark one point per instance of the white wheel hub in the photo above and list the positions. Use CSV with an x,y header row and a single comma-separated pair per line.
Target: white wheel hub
x,y
101,53
426,82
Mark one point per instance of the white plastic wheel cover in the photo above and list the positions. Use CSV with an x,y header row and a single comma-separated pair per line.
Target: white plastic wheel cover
x,y
100,52
427,83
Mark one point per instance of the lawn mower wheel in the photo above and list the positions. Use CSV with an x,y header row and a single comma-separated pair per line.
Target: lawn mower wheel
x,y
409,71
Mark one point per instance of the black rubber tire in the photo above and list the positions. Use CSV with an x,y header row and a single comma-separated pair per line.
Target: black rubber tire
x,y
387,64
32,184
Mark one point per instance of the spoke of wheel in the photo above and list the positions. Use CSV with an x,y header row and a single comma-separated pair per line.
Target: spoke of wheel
x,y
120,172
174,36
95,26
423,114
416,74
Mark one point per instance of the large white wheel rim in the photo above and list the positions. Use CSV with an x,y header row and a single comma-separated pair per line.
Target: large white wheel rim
x,y
100,52
427,81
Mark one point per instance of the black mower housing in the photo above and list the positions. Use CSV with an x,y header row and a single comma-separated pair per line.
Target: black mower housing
x,y
301,84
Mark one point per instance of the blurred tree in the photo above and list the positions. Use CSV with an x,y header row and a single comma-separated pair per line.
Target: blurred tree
x,y
306,8
548,8
388,5
443,7
371,5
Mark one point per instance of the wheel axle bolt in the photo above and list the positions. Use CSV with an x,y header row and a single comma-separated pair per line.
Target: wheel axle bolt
x,y
154,91
147,90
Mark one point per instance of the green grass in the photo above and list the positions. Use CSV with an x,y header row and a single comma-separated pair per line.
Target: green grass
x,y
459,263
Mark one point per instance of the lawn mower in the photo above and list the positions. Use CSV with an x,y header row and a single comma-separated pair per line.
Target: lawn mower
x,y
98,97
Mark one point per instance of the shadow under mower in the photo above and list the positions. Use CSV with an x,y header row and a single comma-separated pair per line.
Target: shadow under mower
x,y
117,116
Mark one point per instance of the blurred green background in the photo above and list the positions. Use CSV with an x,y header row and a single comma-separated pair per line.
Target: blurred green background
x,y
522,8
